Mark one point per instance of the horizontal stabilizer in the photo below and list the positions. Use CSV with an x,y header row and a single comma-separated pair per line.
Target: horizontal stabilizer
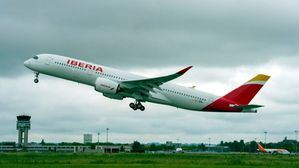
x,y
246,107
250,108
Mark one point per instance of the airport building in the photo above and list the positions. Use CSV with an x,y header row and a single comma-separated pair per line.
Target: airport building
x,y
7,146
113,148
57,148
35,147
87,138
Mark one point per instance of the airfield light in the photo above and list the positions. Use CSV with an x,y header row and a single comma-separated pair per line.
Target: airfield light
x,y
255,146
209,143
265,138
107,129
296,133
98,137
177,142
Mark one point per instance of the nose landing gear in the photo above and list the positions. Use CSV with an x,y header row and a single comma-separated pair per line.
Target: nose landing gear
x,y
137,105
36,77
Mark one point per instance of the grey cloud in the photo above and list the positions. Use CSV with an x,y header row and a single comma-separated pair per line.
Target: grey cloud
x,y
148,33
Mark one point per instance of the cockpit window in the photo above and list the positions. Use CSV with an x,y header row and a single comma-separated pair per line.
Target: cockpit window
x,y
35,57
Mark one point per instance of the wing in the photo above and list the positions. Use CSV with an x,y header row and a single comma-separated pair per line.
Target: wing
x,y
141,87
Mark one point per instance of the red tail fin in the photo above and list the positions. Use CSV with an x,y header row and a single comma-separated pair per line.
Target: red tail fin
x,y
245,93
240,96
261,149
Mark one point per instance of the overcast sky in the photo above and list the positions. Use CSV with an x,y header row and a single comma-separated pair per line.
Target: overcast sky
x,y
227,42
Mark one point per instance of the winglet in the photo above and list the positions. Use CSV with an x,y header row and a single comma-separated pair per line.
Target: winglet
x,y
181,72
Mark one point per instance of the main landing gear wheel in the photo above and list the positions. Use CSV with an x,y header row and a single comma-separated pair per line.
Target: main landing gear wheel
x,y
35,80
133,106
137,105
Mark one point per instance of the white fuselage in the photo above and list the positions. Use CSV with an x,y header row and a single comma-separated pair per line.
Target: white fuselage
x,y
169,94
277,151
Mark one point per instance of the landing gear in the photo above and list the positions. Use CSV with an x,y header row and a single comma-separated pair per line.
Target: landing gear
x,y
137,105
133,106
36,77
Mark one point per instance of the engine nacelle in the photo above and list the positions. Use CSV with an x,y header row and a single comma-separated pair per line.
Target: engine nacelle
x,y
106,86
113,96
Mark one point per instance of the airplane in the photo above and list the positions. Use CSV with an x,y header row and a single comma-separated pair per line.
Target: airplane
x,y
272,151
117,84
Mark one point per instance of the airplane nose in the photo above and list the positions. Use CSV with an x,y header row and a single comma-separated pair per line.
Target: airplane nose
x,y
27,63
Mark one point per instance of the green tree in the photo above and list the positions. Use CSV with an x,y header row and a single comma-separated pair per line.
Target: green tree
x,y
122,149
202,147
137,147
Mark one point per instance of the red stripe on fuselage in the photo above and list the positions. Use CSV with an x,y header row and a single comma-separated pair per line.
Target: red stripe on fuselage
x,y
221,104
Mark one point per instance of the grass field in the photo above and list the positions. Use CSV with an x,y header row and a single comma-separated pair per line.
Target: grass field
x,y
91,160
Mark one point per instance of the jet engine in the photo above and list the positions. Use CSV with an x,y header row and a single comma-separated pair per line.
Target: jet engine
x,y
106,86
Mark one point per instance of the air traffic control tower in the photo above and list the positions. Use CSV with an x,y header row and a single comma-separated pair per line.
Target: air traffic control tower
x,y
23,125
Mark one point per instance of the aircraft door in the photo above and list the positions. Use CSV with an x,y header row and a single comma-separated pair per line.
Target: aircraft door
x,y
49,60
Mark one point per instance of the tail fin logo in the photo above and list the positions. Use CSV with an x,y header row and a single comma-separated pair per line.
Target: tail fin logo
x,y
246,92
260,79
238,99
